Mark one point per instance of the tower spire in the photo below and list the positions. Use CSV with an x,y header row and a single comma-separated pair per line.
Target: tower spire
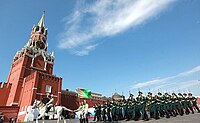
x,y
41,22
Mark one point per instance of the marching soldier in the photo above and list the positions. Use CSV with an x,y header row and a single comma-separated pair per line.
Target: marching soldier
x,y
117,110
194,101
104,112
127,109
98,112
167,105
108,112
151,104
113,111
177,106
95,111
187,104
160,104
124,107
131,107
142,106
184,103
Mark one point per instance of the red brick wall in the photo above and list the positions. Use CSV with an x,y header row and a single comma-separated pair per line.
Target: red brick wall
x,y
9,112
15,79
27,95
92,102
4,93
72,102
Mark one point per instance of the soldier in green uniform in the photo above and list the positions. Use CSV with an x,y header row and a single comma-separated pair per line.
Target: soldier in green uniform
x,y
151,104
161,102
187,104
178,107
142,106
104,112
113,110
194,101
133,107
137,109
166,104
155,106
98,112
108,112
128,113
117,110
129,107
170,104
95,111
123,108
184,103
173,106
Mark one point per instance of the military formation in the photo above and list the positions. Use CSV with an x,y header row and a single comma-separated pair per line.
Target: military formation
x,y
145,108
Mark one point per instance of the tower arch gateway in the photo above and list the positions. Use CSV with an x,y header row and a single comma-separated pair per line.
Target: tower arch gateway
x,y
31,72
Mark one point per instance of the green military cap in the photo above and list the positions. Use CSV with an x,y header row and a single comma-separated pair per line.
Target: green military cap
x,y
131,94
140,92
159,93
149,93
166,93
179,94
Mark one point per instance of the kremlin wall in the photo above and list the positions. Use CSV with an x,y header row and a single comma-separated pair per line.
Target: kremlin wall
x,y
31,77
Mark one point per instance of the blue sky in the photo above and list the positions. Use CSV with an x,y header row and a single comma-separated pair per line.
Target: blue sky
x,y
109,46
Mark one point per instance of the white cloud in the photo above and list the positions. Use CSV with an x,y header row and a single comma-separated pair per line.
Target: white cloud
x,y
175,87
186,85
85,50
162,80
105,18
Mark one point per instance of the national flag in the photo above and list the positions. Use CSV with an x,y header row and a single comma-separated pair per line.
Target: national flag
x,y
84,93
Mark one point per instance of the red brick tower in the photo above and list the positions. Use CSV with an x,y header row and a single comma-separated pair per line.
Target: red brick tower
x,y
31,72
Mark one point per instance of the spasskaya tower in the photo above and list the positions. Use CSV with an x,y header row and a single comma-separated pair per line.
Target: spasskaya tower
x,y
31,72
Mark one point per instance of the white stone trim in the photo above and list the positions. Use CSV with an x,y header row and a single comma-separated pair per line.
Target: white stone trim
x,y
37,68
45,94
21,113
15,103
40,94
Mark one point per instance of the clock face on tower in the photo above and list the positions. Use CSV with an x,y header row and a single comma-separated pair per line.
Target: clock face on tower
x,y
40,44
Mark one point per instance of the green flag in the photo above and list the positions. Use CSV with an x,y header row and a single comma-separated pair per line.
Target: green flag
x,y
84,93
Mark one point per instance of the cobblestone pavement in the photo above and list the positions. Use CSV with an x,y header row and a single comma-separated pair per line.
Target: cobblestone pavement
x,y
191,118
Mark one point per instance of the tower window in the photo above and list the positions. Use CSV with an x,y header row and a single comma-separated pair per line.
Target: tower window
x,y
42,30
48,89
37,28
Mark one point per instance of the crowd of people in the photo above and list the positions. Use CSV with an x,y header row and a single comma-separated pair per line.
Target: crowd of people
x,y
140,107
157,106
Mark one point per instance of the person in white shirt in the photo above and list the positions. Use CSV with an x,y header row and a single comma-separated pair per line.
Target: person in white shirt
x,y
80,108
85,111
